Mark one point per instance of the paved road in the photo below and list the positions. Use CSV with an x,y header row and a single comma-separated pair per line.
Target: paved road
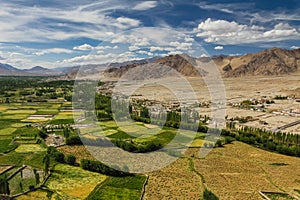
x,y
287,126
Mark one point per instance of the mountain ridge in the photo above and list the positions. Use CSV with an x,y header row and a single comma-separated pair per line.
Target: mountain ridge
x,y
269,62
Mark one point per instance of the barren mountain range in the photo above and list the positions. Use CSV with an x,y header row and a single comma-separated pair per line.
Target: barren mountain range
x,y
269,62
274,61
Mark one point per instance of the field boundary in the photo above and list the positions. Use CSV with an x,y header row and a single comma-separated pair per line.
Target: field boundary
x,y
263,194
35,189
16,172
8,169
144,187
97,187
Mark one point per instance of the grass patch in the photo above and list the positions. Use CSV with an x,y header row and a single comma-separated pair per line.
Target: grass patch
x,y
31,131
109,124
129,187
6,123
19,125
15,116
120,135
32,159
27,148
19,111
38,194
64,115
71,182
7,131
26,181
62,121
46,112
5,145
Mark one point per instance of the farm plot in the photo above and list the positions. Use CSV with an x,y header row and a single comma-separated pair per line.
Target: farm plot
x,y
19,125
22,181
239,170
64,115
5,144
69,182
39,194
46,112
5,168
14,116
27,148
26,131
19,111
80,152
129,187
63,118
176,180
7,131
38,118
3,108
34,159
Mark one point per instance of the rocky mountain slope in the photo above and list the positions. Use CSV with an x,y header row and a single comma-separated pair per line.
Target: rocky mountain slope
x,y
270,62
273,61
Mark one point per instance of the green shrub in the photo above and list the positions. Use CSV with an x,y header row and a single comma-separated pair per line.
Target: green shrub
x,y
70,159
208,195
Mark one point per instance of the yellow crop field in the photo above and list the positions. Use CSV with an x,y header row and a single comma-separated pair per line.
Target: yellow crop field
x,y
71,182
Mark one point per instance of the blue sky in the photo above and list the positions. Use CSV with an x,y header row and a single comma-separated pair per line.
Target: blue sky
x,y
66,33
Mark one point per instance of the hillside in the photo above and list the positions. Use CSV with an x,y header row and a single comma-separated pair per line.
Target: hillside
x,y
269,62
8,70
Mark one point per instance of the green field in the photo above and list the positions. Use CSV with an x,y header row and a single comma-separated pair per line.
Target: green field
x,y
21,182
46,112
5,145
129,187
7,131
34,159
27,148
69,182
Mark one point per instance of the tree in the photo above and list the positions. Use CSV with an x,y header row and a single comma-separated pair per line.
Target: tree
x,y
228,140
42,134
66,132
21,186
37,177
71,159
218,143
208,195
46,162
74,140
4,185
59,157
7,100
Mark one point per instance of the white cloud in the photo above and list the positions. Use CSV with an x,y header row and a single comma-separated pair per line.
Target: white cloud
x,y
219,48
100,59
132,39
145,5
181,45
84,47
225,32
189,39
175,52
295,47
152,49
106,47
52,50
91,21
125,22
133,48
